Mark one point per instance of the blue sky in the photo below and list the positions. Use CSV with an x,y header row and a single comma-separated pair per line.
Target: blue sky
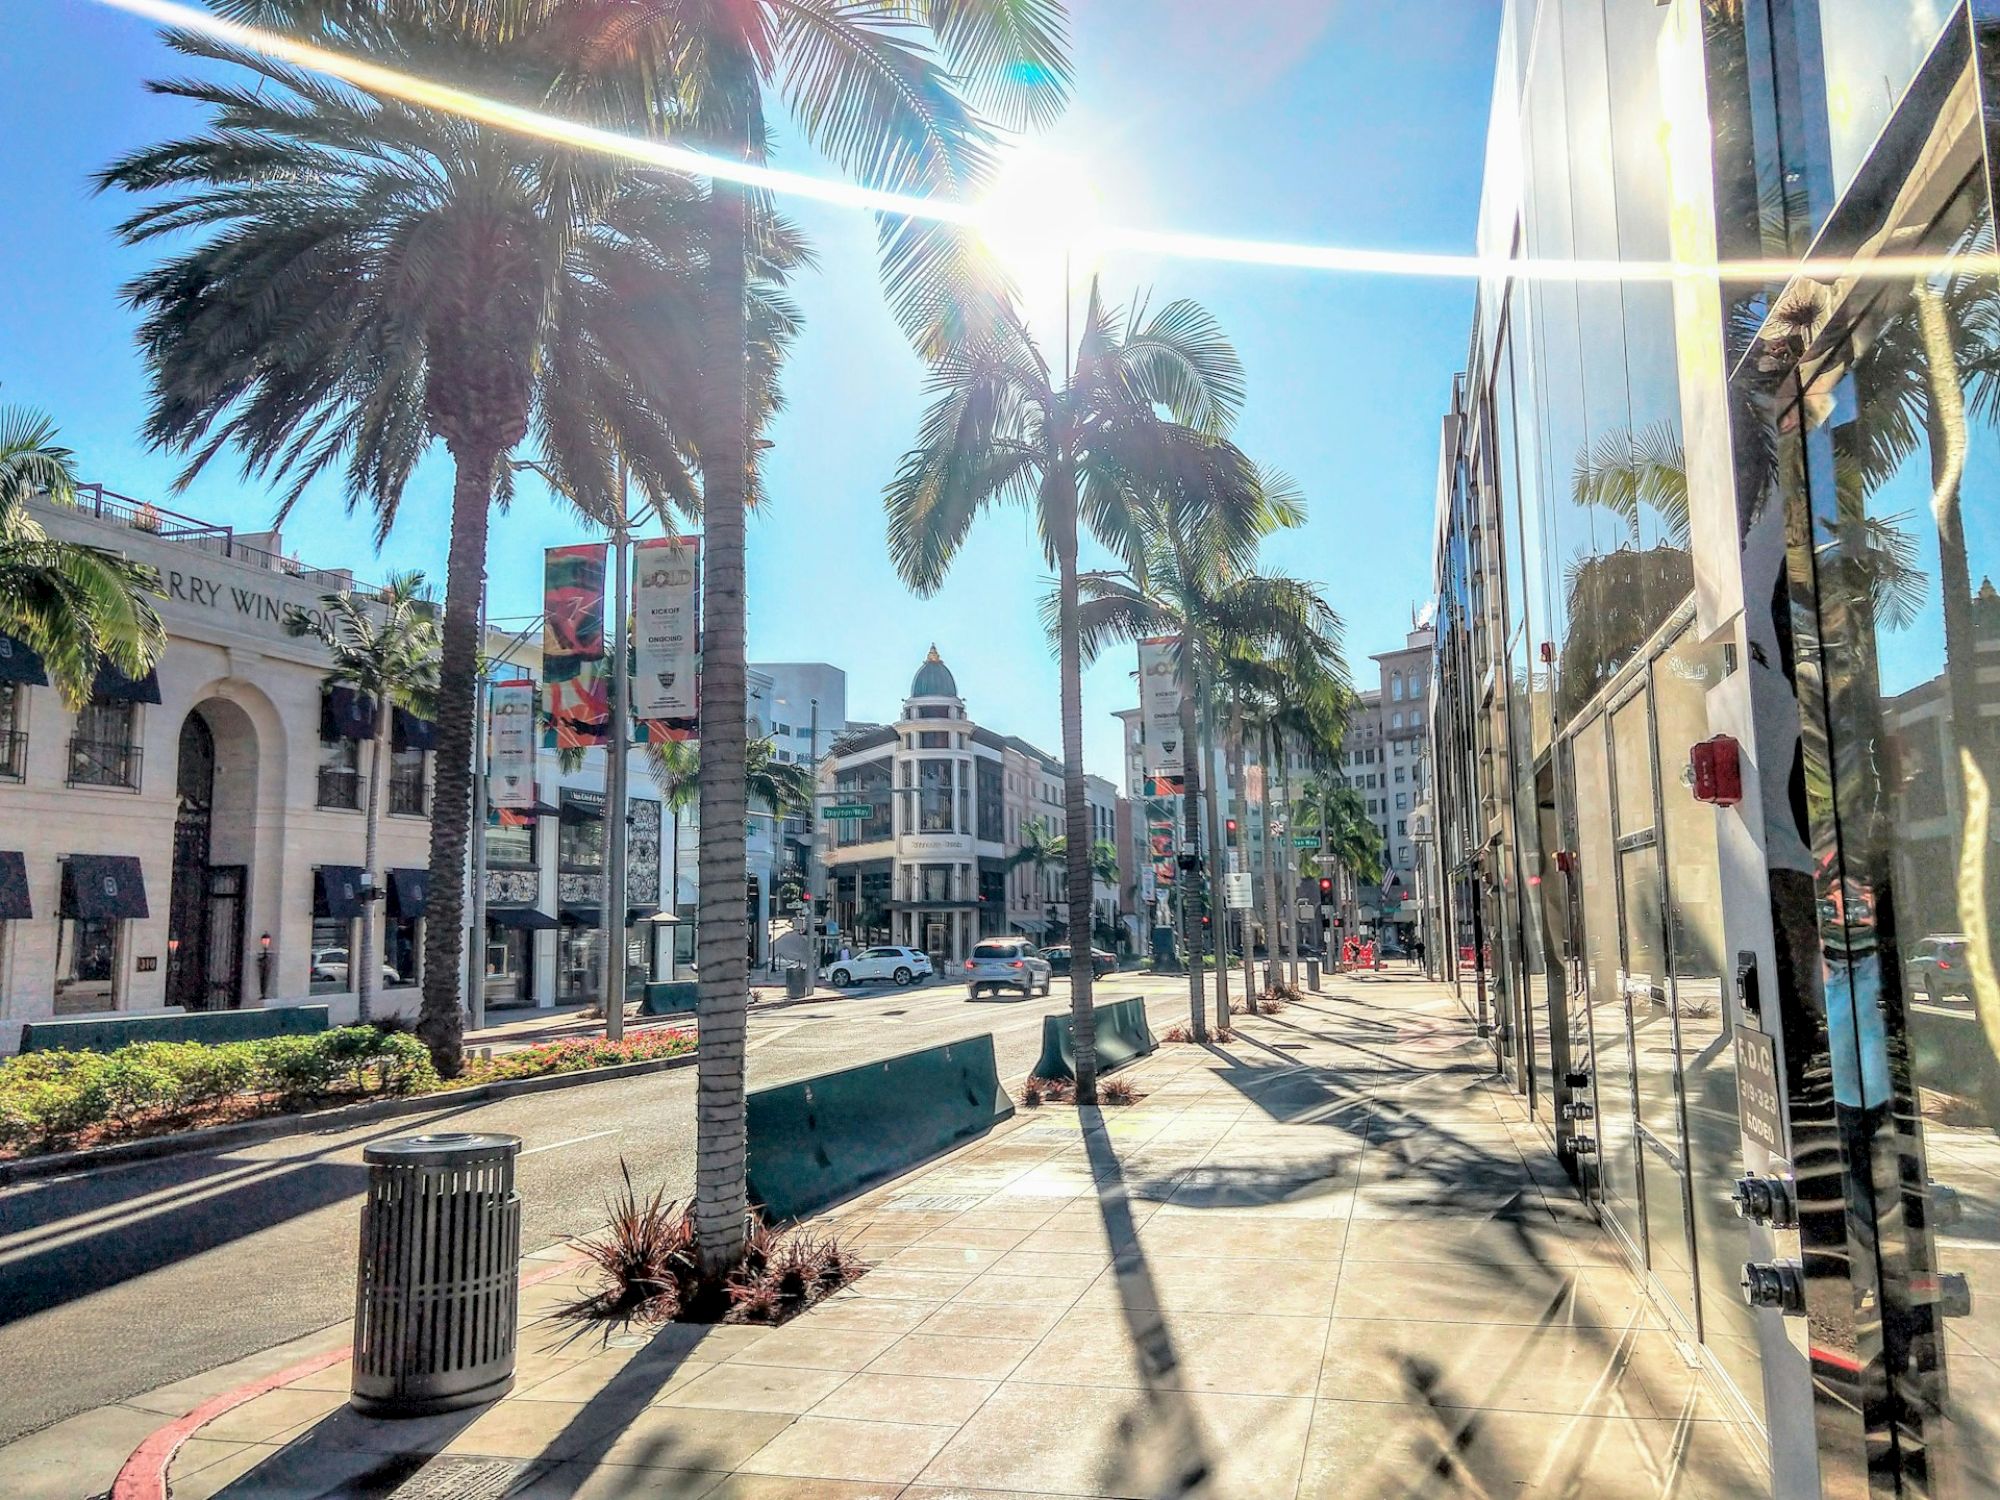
x,y
1321,120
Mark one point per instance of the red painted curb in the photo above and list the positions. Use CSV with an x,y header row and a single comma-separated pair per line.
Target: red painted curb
x,y
144,1475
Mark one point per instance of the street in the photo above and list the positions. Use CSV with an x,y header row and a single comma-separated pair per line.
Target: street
x,y
123,1280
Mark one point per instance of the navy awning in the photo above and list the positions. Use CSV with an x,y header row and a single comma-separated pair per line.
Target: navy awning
x,y
103,888
408,732
593,916
345,714
114,686
337,892
409,892
583,807
520,918
19,664
14,905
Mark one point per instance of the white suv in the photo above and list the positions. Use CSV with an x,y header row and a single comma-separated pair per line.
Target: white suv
x,y
1007,964
897,965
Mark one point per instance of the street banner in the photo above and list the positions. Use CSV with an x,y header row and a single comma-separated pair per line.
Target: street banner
x,y
573,665
510,770
1160,705
666,618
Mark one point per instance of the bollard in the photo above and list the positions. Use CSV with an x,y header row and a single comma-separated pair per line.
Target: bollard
x,y
1312,975
437,1297
798,982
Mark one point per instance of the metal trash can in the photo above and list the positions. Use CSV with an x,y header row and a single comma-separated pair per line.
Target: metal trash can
x,y
1312,975
437,1298
798,982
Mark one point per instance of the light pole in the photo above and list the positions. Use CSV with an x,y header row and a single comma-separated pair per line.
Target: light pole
x,y
616,950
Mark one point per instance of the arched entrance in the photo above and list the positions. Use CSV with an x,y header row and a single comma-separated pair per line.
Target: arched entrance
x,y
205,905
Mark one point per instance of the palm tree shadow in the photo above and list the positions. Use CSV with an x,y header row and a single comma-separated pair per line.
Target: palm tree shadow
x,y
1162,1436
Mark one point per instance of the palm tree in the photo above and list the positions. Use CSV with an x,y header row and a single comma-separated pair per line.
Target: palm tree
x,y
1350,846
388,655
1142,406
370,277
1042,849
74,606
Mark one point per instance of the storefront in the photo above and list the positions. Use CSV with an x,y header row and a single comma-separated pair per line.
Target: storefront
x,y
1717,699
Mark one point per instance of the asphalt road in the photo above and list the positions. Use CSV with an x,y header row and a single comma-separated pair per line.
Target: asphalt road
x,y
115,1282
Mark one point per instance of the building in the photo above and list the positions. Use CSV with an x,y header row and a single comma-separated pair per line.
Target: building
x,y
1714,722
194,838
934,863
1385,759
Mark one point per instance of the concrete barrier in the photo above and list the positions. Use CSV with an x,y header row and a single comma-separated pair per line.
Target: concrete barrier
x,y
680,997
815,1142
108,1034
1123,1036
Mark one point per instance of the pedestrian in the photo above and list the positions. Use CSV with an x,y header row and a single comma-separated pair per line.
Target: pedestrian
x,y
1417,952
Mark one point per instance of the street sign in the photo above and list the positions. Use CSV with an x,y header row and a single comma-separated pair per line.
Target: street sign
x,y
1305,841
1236,892
848,811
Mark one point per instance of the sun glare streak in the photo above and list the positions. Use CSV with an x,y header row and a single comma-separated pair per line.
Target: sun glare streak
x,y
1171,244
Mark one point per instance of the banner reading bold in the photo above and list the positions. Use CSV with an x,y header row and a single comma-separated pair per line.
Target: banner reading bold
x,y
1160,705
579,699
666,616
510,771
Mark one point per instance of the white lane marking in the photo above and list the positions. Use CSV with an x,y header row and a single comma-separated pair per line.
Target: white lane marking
x,y
575,1140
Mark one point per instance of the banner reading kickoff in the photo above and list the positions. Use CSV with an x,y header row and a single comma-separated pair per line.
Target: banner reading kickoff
x,y
666,617
579,699
1160,705
511,770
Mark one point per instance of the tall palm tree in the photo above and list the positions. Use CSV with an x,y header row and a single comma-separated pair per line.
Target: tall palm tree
x,y
370,277
1142,403
74,606
1042,849
388,655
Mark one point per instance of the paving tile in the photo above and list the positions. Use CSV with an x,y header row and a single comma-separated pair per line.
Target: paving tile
x,y
978,1237
743,1387
1471,1292
584,1379
674,1437
1062,1440
79,1455
596,1481
995,1290
1021,1319
1083,1264
861,1311
929,1399
939,1354
1218,1284
551,1430
917,1286
809,1346
839,1448
929,1256
1526,1240
274,1416
774,1487
1255,1356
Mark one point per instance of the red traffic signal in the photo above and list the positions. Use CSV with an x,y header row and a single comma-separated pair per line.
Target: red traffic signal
x,y
1231,826
1326,885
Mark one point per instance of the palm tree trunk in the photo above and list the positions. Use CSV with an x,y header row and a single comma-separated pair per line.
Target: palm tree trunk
x,y
368,963
1218,856
721,1142
1186,881
1082,1018
1945,432
440,1022
1273,944
1239,790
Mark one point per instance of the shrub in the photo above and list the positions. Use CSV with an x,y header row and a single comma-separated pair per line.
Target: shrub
x,y
1054,1090
1116,1091
136,1080
1031,1094
576,1054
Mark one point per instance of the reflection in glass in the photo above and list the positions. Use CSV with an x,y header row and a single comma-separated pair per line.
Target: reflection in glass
x,y
1873,49
1604,980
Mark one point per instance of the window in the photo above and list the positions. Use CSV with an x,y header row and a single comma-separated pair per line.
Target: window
x,y
510,846
1399,775
87,965
339,774
777,729
580,841
407,786
1403,826
1402,802
934,797
991,800
105,751
13,731
332,942
937,884
934,739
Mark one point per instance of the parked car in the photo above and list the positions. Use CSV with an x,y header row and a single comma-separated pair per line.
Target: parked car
x,y
330,964
1938,967
1058,957
896,965
1007,964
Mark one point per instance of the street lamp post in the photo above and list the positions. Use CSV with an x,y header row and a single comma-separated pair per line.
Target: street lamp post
x,y
616,953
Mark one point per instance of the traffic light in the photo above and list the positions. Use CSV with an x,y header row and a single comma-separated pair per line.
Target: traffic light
x,y
1231,827
1325,886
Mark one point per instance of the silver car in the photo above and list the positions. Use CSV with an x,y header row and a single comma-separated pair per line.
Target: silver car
x,y
1007,964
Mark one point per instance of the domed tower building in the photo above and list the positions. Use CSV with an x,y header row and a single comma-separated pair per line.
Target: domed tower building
x,y
921,830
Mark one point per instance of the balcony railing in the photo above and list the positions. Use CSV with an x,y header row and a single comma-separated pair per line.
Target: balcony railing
x,y
339,786
221,541
104,763
406,794
14,755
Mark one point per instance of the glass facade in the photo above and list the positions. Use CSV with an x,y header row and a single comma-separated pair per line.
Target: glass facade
x,y
1716,700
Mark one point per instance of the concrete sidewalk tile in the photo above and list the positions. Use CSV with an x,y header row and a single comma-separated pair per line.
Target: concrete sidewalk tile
x,y
551,1430
977,1237
934,1400
909,1285
593,1481
862,1311
202,1470
338,1376
1023,1319
672,1437
274,1416
586,1378
840,1448
1264,1237
1001,1289
1145,1346
1219,1285
1471,1292
1062,1440
79,1455
775,1487
930,1256
1445,1240
765,1388
804,1346
952,1355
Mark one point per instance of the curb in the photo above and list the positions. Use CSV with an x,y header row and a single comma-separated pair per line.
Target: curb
x,y
143,1476
220,1137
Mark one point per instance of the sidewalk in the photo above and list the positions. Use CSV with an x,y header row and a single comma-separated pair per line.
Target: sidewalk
x,y
1330,1259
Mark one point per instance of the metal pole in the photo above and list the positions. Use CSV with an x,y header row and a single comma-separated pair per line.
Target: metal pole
x,y
615,948
814,945
476,907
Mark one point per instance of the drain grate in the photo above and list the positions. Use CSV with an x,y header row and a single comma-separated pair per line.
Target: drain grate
x,y
934,1203
461,1479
